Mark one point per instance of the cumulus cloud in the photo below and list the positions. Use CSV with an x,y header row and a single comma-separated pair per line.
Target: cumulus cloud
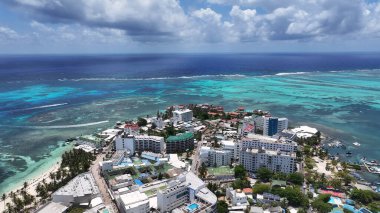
x,y
144,20
8,34
166,20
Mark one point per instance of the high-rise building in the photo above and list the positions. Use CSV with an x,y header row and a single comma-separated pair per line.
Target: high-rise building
x,y
125,141
180,143
183,115
219,157
270,126
140,143
275,160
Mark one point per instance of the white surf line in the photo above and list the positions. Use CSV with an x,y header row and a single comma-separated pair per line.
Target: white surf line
x,y
39,107
59,126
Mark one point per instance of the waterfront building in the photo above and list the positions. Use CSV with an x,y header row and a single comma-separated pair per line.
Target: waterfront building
x,y
270,126
131,128
282,124
180,143
273,125
275,160
134,202
81,189
184,115
219,157
187,188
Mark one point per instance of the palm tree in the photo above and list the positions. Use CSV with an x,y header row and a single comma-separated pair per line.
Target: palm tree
x,y
4,196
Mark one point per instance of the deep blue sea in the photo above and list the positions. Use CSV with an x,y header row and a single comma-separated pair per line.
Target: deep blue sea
x,y
46,99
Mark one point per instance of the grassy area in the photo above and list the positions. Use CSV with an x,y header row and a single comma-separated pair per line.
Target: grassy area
x,y
223,170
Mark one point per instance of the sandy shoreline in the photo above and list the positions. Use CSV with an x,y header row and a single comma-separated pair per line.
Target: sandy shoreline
x,y
32,185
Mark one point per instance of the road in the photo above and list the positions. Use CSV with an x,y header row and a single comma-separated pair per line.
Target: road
x,y
102,184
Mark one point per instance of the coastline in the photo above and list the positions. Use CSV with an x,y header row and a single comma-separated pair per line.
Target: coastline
x,y
36,174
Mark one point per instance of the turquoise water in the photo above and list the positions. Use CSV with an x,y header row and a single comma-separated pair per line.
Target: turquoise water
x,y
192,207
36,116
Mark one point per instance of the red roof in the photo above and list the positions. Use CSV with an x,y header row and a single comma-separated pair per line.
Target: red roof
x,y
131,126
332,193
249,128
248,190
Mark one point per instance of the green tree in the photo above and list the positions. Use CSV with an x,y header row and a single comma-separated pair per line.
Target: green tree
x,y
240,171
364,196
264,174
142,122
260,188
296,178
221,206
202,170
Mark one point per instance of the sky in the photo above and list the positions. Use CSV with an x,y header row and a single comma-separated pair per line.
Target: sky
x,y
170,26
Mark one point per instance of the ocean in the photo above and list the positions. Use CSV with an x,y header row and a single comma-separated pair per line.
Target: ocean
x,y
46,99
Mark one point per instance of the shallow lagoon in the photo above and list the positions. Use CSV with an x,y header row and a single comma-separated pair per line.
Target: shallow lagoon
x,y
36,116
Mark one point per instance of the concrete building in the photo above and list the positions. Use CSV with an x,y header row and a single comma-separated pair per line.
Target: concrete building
x,y
270,126
282,124
277,161
140,143
81,189
256,141
134,202
218,157
131,128
154,144
203,154
106,165
231,146
187,188
236,197
183,115
125,141
180,143
273,125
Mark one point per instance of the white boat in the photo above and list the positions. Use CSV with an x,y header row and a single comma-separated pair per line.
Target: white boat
x,y
356,144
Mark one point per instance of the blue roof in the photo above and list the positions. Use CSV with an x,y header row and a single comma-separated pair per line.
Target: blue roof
x,y
350,202
138,182
364,210
350,208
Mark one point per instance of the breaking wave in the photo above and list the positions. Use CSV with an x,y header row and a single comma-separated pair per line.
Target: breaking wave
x,y
39,107
157,78
59,126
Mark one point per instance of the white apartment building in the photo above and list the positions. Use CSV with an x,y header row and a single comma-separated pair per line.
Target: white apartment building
x,y
139,143
259,122
154,144
236,197
183,115
125,142
219,157
134,202
257,141
187,188
282,124
231,146
275,160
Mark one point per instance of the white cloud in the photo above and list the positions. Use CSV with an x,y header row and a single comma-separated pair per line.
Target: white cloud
x,y
166,21
8,34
